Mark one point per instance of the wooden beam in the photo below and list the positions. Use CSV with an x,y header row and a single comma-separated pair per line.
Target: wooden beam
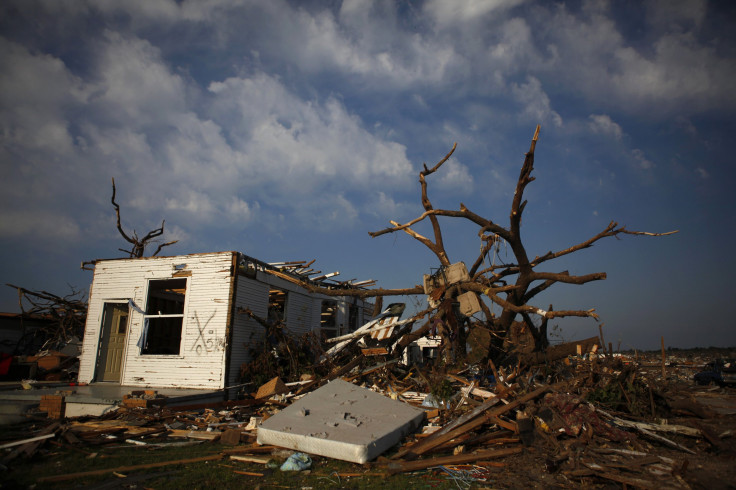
x,y
401,467
429,443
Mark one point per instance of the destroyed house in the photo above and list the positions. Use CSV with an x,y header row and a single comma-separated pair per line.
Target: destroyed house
x,y
178,322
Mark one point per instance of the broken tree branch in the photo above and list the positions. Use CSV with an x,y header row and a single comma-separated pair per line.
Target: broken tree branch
x,y
138,244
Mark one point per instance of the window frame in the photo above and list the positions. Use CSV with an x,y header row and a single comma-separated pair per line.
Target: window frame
x,y
149,316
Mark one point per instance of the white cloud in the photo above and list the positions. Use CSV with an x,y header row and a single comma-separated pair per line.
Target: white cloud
x,y
134,85
179,152
536,104
195,204
241,211
641,159
514,48
295,144
454,176
702,173
35,91
675,70
445,14
603,124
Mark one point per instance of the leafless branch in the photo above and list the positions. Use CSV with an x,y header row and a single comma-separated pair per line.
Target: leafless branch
x,y
138,244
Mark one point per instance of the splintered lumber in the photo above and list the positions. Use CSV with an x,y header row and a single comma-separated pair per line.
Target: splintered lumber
x,y
273,387
404,466
24,441
436,440
664,440
123,469
250,459
247,473
628,452
456,423
670,428
29,447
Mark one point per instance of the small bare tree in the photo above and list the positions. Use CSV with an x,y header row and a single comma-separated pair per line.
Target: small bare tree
x,y
139,244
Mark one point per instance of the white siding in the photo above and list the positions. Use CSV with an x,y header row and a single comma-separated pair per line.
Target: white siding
x,y
316,314
247,332
299,313
201,360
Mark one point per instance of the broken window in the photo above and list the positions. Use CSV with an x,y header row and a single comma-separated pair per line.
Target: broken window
x,y
164,316
328,318
277,305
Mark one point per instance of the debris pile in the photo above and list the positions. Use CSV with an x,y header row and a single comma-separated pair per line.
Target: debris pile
x,y
582,420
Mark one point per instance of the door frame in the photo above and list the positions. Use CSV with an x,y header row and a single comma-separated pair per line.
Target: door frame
x,y
101,346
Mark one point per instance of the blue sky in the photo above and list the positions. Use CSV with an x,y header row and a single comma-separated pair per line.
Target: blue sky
x,y
289,130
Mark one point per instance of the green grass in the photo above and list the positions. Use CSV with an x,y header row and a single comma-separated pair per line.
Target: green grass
x,y
53,460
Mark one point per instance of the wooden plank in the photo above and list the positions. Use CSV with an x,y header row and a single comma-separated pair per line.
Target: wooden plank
x,y
402,467
247,473
431,442
29,448
24,441
376,351
250,459
456,423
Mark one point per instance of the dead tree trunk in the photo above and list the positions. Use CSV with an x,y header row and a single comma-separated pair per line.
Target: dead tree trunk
x,y
527,281
508,286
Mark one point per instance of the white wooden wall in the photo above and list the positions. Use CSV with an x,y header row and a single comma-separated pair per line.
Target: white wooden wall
x,y
247,332
201,360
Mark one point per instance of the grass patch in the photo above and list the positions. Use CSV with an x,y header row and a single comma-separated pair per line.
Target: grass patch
x,y
215,474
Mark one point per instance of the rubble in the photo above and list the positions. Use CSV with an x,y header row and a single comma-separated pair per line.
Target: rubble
x,y
581,420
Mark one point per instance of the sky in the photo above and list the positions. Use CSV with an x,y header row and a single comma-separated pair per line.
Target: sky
x,y
289,130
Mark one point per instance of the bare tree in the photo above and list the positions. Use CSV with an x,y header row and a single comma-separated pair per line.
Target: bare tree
x,y
509,286
527,281
138,244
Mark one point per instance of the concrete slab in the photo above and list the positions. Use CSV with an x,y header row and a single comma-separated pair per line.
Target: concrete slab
x,y
341,421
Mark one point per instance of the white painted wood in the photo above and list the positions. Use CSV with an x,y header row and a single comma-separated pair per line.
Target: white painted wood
x,y
247,332
201,359
299,312
201,362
